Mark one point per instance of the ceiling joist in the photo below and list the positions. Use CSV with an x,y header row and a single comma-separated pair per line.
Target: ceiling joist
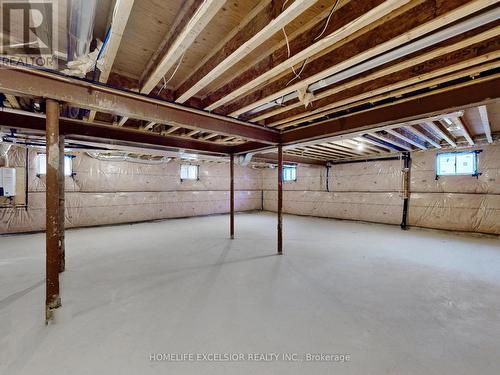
x,y
464,61
470,94
406,139
392,141
264,25
188,30
421,135
483,114
434,128
329,80
461,127
413,28
118,21
364,19
461,48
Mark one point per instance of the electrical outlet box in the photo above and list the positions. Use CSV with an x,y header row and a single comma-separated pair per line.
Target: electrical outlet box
x,y
7,182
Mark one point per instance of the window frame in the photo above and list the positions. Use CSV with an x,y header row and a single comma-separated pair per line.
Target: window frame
x,y
40,164
475,172
189,165
290,167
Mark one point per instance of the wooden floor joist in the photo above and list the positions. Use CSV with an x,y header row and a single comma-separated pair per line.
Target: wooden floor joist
x,y
117,23
433,62
460,125
381,94
307,155
223,42
12,101
406,139
185,13
373,143
470,94
332,43
421,135
328,149
394,33
441,134
483,114
288,158
393,141
264,25
184,36
365,18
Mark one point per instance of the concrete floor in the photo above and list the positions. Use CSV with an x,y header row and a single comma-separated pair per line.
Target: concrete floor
x,y
416,302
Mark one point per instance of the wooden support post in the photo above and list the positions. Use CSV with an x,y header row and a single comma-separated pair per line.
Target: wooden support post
x,y
280,199
231,203
62,249
52,299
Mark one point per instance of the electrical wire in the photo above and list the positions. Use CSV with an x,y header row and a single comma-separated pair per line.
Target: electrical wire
x,y
103,47
284,4
287,43
297,75
327,20
165,82
283,29
106,40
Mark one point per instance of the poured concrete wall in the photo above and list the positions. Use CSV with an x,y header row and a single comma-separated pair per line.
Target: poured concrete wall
x,y
105,192
461,203
358,191
371,191
118,192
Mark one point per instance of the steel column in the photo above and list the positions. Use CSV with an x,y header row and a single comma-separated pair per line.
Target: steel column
x,y
62,250
280,199
52,299
406,188
231,203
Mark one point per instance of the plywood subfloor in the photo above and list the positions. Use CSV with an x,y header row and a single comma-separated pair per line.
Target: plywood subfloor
x,y
416,302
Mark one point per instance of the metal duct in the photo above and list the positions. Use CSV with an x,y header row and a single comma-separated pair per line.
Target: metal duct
x,y
80,28
4,150
123,156
244,160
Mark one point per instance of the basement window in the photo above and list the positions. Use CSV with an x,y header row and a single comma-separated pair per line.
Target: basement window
x,y
457,164
290,173
41,165
189,172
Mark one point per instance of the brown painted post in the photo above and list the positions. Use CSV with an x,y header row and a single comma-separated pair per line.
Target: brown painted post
x,y
231,204
62,250
52,299
406,188
280,199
